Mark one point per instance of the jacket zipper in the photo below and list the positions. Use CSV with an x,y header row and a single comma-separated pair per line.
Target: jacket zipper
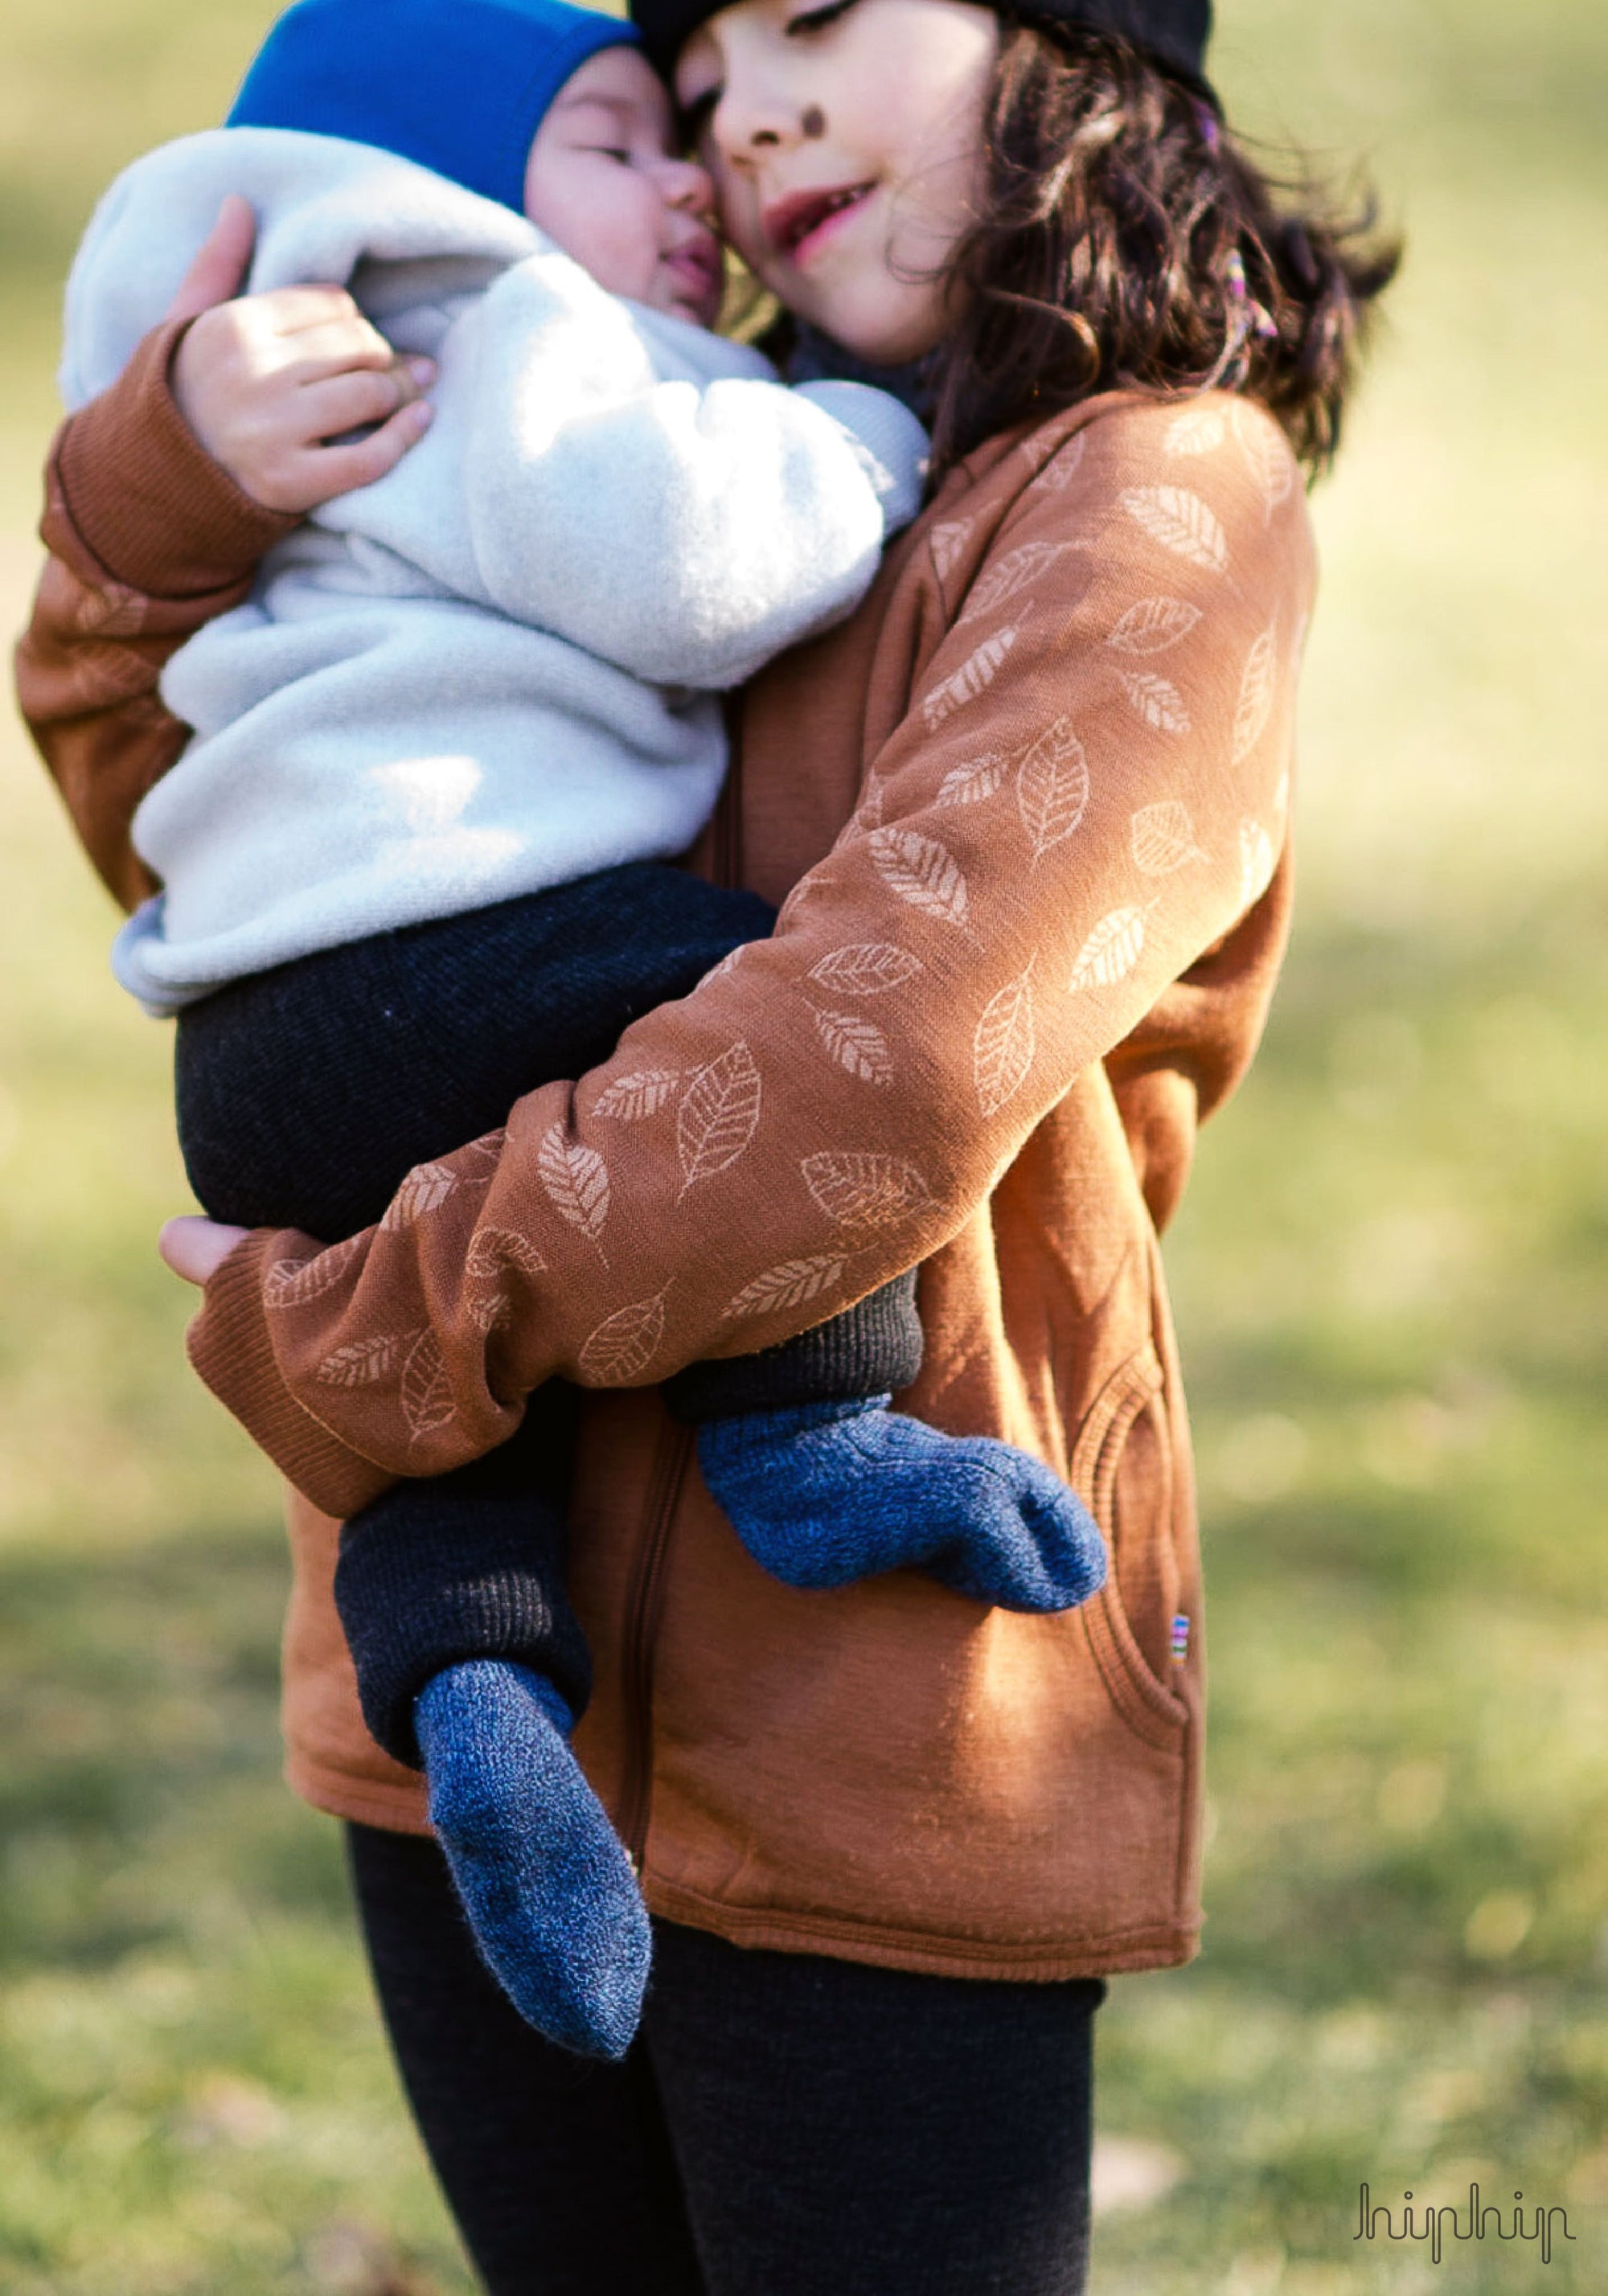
x,y
644,1605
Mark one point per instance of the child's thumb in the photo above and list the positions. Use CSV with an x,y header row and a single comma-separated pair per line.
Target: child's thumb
x,y
218,272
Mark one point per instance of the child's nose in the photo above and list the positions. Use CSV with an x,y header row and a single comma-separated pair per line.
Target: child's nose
x,y
689,187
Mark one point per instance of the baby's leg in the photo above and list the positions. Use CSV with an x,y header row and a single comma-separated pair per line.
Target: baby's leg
x,y
825,1484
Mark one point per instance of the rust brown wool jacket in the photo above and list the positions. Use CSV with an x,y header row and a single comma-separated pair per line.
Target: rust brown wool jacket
x,y
1026,813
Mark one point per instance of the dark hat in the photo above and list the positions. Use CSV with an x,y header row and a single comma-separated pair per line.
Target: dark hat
x,y
1174,32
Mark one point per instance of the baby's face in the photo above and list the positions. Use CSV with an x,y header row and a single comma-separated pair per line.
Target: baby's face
x,y
605,181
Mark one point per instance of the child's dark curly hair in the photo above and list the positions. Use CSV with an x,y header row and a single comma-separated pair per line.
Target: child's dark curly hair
x,y
1127,241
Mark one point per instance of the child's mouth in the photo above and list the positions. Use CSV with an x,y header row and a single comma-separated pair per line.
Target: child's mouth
x,y
701,267
800,225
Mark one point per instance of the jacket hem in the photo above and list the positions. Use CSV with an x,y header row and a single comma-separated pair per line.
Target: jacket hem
x,y
392,1809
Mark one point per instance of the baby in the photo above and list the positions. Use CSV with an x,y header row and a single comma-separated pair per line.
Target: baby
x,y
416,858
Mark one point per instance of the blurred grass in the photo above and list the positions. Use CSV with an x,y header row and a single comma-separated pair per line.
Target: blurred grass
x,y
1390,1282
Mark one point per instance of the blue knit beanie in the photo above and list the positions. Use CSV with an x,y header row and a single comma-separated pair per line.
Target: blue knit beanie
x,y
457,85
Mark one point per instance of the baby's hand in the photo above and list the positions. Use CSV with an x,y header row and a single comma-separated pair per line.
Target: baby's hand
x,y
196,1248
264,380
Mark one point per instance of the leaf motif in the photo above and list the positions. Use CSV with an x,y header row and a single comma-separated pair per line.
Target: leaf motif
x,y
1256,862
974,676
949,543
1112,950
922,872
630,1099
1157,700
856,1045
969,784
361,1362
1198,430
868,815
793,1284
865,967
625,1343
1181,523
716,1121
1005,576
495,1250
727,964
1062,468
292,1282
489,1148
864,1191
1053,787
1154,626
426,1401
489,1311
577,1180
1257,689
1163,839
1004,1044
425,1186
1268,456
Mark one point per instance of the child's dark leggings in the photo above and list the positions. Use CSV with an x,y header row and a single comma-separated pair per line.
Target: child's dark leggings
x,y
783,2126
304,1096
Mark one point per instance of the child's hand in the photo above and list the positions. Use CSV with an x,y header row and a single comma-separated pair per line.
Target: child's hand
x,y
196,1248
263,381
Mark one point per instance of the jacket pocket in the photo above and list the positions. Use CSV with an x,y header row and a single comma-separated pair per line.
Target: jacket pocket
x,y
1122,1463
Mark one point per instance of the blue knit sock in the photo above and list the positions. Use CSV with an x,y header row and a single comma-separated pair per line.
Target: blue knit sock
x,y
545,1880
825,1493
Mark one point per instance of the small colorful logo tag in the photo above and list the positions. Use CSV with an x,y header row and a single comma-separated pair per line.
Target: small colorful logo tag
x,y
1180,1640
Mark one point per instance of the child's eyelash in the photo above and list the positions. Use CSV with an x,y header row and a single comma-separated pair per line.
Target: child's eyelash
x,y
816,20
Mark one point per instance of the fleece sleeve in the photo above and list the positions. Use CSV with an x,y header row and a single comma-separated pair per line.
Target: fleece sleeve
x,y
686,531
1084,795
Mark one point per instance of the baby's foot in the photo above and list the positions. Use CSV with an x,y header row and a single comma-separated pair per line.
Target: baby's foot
x,y
829,1492
545,1880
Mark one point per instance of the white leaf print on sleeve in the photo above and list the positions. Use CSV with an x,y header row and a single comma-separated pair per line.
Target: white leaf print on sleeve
x,y
1062,468
1198,430
1004,1044
1112,950
863,1192
856,1045
865,967
1156,699
1256,861
625,1343
1181,523
923,872
1004,578
1053,787
971,784
974,676
493,1251
1268,456
577,1182
791,1284
425,1186
716,1121
1154,626
293,1282
426,1394
631,1099
949,540
362,1362
1163,839
1257,689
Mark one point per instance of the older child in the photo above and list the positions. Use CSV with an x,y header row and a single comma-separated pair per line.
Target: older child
x,y
410,858
1033,799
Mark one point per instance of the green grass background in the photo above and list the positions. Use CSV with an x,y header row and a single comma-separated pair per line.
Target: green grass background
x,y
1390,1277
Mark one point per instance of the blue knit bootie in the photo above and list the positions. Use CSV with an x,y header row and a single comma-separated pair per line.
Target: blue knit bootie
x,y
825,1493
545,1880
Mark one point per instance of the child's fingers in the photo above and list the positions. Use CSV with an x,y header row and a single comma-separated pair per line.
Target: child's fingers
x,y
221,263
339,347
196,1248
291,311
331,470
358,396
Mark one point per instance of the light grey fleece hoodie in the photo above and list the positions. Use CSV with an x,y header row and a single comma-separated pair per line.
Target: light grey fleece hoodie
x,y
495,670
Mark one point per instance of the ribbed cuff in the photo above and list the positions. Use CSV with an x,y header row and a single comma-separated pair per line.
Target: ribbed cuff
x,y
872,1348
229,1346
145,496
428,1579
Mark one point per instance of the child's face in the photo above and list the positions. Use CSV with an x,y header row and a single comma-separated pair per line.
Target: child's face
x,y
846,141
605,182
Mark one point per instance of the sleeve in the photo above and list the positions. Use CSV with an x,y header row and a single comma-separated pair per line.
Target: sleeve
x,y
148,538
1085,796
687,533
